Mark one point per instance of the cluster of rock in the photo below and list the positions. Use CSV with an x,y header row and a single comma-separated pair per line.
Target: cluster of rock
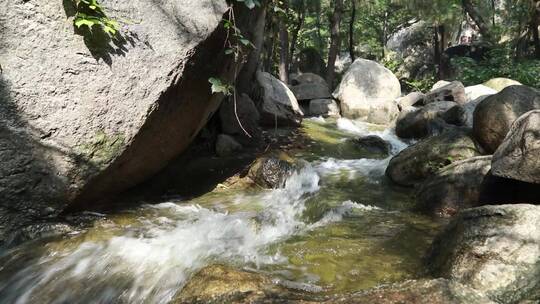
x,y
477,158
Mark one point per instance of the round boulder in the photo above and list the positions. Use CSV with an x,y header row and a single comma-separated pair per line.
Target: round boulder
x,y
278,102
272,171
493,249
494,116
422,160
518,157
324,107
367,92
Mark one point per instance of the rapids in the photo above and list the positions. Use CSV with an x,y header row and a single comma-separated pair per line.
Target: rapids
x,y
336,226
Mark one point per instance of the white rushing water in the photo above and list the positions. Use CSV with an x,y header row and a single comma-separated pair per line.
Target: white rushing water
x,y
149,263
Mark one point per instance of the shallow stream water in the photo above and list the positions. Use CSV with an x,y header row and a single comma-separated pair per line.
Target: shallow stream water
x,y
337,226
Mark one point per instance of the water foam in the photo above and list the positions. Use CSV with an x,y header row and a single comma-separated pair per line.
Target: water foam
x,y
155,260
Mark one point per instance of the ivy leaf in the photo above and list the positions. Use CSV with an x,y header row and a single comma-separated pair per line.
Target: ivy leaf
x,y
219,87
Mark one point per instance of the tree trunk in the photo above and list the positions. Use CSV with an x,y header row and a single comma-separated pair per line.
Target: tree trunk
x,y
269,44
384,35
283,47
436,50
246,76
534,29
297,28
476,16
351,29
334,41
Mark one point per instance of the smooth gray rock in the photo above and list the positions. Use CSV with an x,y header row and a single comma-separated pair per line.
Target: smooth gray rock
x,y
493,249
324,107
425,158
367,92
277,102
439,84
454,187
518,157
373,144
500,84
477,91
494,116
422,122
83,116
309,91
454,91
409,100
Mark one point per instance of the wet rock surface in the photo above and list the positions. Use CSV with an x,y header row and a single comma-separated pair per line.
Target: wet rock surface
x,y
373,145
271,171
424,121
493,249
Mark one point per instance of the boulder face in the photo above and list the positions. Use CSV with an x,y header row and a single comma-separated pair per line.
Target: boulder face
x,y
454,91
324,107
278,102
493,249
247,113
367,92
494,116
422,160
518,157
499,84
88,118
272,171
421,122
454,187
309,91
477,91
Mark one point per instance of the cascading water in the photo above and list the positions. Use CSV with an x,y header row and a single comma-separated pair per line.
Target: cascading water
x,y
149,257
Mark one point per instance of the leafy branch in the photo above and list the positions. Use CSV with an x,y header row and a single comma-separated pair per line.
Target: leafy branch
x,y
90,13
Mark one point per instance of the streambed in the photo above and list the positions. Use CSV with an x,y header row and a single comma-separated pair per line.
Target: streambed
x,y
337,226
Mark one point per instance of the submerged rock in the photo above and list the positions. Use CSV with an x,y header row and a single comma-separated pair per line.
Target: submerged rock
x,y
272,171
495,115
278,103
367,92
493,249
454,187
438,291
518,157
97,115
373,144
422,160
221,284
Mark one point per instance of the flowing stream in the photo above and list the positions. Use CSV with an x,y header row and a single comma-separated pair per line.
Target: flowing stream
x,y
337,226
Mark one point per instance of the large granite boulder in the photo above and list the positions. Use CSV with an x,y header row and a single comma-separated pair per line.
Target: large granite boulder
x,y
367,92
499,84
412,45
425,158
454,187
493,249
424,121
84,115
518,157
494,116
277,102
